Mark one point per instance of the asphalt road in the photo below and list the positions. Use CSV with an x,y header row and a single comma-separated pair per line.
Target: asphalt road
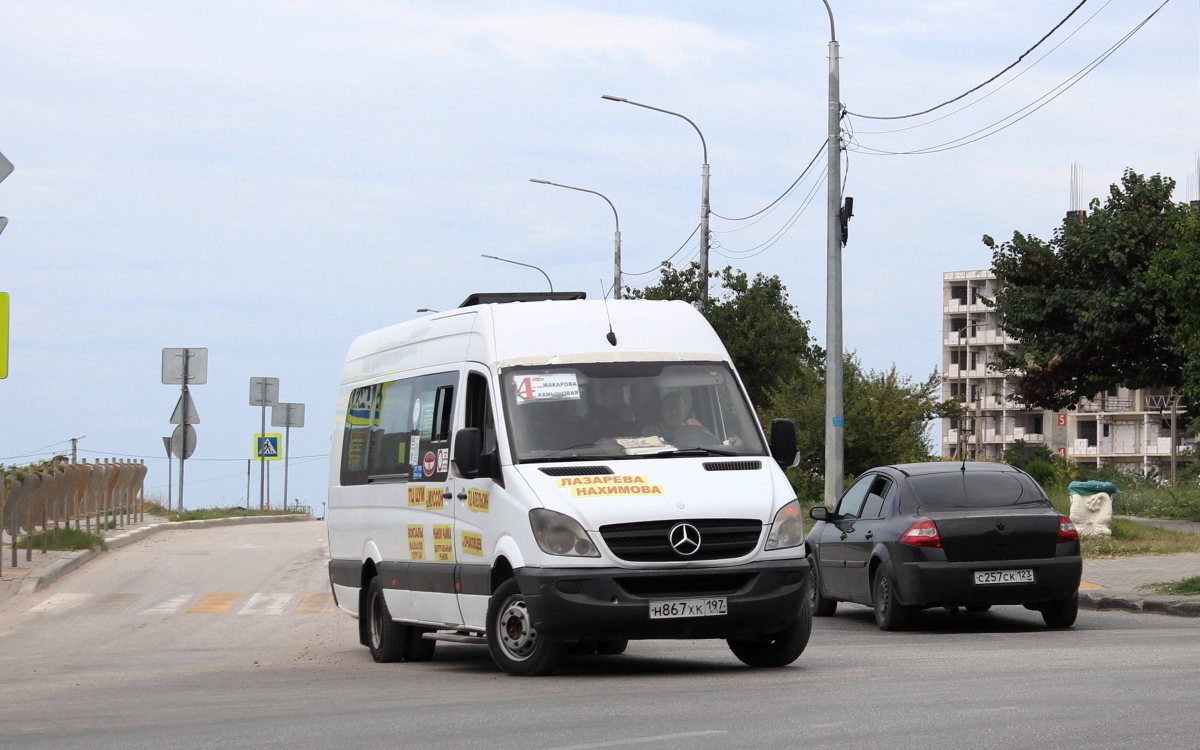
x,y
224,638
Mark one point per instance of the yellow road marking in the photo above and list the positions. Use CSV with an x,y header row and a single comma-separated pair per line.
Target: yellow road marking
x,y
1085,586
315,604
110,603
214,603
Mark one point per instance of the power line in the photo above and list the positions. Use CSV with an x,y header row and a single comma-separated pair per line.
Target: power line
x,y
668,260
37,452
766,245
1033,106
164,458
973,90
785,194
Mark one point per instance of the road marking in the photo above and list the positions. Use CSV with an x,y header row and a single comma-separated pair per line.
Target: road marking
x,y
168,607
60,603
214,603
110,603
1085,586
641,740
315,604
266,604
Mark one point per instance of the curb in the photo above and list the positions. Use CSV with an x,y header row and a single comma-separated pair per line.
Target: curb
x,y
60,568
1162,605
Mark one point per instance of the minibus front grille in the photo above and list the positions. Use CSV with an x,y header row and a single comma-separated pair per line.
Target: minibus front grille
x,y
720,584
576,471
648,541
732,465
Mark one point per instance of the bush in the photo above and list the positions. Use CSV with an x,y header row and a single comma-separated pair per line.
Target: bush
x,y
1043,472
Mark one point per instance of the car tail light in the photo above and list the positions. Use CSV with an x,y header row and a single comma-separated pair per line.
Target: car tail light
x,y
923,533
1066,530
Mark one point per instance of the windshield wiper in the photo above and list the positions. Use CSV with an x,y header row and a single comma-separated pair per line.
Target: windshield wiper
x,y
699,452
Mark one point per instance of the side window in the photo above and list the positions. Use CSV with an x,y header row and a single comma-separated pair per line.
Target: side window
x,y
431,416
880,488
479,411
390,457
852,501
356,442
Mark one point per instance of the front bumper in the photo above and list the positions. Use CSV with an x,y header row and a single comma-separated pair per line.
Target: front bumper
x,y
587,603
947,584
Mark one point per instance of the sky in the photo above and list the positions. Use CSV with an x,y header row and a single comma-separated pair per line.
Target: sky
x,y
272,179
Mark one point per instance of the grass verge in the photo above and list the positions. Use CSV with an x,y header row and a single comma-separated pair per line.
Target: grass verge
x,y
1186,587
204,514
1131,538
67,540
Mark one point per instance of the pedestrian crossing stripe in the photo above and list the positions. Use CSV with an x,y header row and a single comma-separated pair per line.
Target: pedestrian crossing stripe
x,y
209,603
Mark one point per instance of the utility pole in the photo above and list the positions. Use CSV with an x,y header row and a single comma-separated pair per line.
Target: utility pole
x,y
1174,432
74,450
834,420
170,470
616,235
248,462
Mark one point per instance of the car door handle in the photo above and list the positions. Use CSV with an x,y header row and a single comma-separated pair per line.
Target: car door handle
x,y
462,495
447,495
843,536
870,534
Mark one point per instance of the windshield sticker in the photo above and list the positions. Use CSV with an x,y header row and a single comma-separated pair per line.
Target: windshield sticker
x,y
558,387
414,453
472,543
443,461
416,415
443,543
434,499
477,500
416,541
609,485
429,463
416,497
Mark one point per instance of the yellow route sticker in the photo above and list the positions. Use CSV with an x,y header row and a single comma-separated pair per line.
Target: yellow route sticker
x,y
611,484
416,497
433,498
472,543
416,541
477,500
443,543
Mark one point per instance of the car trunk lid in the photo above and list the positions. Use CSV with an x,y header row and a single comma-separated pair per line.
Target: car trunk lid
x,y
978,536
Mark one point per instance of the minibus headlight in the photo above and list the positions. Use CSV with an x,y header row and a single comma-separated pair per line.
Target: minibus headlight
x,y
787,530
559,534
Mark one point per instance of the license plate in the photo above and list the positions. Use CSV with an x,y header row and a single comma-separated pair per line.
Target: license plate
x,y
688,608
986,577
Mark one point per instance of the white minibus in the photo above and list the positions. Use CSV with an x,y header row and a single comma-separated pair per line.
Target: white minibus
x,y
551,475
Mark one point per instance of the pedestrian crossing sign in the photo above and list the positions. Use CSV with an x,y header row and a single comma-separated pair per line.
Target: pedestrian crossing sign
x,y
266,446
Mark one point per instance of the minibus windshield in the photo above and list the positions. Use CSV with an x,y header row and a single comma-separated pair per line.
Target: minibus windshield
x,y
614,410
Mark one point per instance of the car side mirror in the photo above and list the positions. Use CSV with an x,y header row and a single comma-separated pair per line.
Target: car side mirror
x,y
783,443
468,452
818,513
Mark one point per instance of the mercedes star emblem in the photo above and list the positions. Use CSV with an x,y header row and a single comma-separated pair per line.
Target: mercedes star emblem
x,y
684,539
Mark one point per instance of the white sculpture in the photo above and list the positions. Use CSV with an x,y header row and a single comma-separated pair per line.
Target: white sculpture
x,y
1092,514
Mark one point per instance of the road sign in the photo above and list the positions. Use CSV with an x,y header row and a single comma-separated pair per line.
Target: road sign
x,y
6,168
287,415
177,441
177,416
264,391
197,366
266,447
4,335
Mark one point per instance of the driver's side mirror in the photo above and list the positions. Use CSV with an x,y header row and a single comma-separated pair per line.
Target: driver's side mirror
x,y
783,443
818,513
468,452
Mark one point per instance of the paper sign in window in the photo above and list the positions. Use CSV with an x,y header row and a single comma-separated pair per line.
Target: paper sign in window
x,y
557,387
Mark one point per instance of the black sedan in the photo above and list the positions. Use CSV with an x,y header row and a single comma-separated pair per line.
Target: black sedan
x,y
913,536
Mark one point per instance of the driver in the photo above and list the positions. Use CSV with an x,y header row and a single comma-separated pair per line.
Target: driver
x,y
680,428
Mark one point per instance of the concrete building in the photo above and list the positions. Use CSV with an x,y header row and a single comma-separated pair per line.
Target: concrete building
x,y
1128,429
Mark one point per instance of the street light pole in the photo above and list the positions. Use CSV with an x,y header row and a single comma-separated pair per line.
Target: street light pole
x,y
834,420
616,234
704,207
519,263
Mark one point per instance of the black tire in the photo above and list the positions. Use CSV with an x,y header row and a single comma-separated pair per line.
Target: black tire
x,y
419,647
821,605
889,614
388,640
512,641
1061,613
583,648
978,607
776,649
612,646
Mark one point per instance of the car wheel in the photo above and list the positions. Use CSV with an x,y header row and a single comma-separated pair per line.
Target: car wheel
x,y
821,605
1061,613
889,614
419,647
612,646
513,642
776,649
388,640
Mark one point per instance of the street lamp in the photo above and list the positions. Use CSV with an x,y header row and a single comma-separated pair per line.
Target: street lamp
x,y
616,233
527,265
704,208
74,448
834,421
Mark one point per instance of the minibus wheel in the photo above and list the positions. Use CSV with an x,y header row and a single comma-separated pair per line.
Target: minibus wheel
x,y
776,649
512,640
388,640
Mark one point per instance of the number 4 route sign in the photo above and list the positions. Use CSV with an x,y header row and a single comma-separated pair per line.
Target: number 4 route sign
x,y
266,446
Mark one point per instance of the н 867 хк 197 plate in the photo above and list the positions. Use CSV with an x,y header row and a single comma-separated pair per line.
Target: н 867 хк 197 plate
x,y
688,608
985,577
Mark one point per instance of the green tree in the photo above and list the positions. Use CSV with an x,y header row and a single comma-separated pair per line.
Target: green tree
x,y
1176,271
1090,313
769,342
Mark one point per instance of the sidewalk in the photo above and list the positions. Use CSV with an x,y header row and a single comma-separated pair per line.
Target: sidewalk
x,y
1120,583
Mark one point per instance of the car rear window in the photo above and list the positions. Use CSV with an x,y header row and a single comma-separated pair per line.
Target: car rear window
x,y
960,489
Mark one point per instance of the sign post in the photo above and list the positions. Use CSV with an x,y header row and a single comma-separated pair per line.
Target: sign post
x,y
167,447
287,416
264,392
185,367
